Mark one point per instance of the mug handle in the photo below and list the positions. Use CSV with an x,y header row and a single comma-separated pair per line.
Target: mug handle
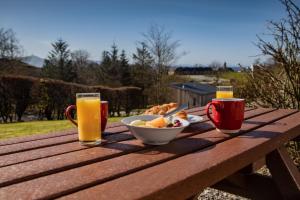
x,y
68,115
207,111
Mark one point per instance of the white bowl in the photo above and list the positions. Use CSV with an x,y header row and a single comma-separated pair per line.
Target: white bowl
x,y
154,136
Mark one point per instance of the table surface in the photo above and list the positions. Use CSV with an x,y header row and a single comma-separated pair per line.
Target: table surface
x,y
57,166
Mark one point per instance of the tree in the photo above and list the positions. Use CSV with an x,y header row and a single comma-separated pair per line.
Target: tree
x,y
114,53
162,47
163,51
58,65
278,84
142,71
105,58
216,66
125,70
9,44
103,70
80,57
142,56
80,62
110,66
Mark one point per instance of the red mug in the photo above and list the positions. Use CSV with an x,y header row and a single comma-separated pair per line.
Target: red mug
x,y
227,114
103,117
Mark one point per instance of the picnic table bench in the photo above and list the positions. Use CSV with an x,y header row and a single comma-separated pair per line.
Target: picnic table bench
x,y
57,166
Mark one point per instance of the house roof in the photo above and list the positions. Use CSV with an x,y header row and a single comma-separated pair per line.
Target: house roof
x,y
197,88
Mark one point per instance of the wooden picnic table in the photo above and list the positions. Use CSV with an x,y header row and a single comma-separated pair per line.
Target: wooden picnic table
x,y
57,166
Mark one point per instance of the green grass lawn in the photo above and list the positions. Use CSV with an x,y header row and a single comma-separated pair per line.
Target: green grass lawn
x,y
18,129
239,76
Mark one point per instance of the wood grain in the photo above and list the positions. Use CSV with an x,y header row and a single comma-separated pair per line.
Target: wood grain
x,y
67,181
186,175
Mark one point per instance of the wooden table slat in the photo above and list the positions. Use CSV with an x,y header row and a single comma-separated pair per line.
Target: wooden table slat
x,y
186,175
46,142
28,139
23,139
43,152
109,128
47,135
98,172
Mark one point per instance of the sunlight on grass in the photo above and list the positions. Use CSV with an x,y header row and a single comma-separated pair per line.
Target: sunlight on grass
x,y
239,76
18,129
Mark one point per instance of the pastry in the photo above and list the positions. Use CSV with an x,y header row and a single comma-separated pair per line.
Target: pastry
x,y
182,114
165,108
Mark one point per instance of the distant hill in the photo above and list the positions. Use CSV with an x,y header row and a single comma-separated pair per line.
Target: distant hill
x,y
18,68
33,61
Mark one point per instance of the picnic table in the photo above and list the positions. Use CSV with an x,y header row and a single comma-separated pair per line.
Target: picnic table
x,y
57,166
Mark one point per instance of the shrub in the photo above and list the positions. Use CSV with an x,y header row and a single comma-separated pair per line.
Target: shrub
x,y
15,95
50,97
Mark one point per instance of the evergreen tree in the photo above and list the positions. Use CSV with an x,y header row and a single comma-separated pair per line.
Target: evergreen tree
x,y
114,53
110,66
114,70
142,73
143,56
125,70
58,65
103,69
106,58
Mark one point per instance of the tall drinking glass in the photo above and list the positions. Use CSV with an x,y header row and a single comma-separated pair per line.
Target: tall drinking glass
x,y
88,116
224,92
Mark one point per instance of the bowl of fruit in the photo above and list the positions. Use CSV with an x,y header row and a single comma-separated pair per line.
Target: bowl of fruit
x,y
155,129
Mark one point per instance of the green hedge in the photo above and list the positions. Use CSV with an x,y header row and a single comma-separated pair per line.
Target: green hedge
x,y
48,98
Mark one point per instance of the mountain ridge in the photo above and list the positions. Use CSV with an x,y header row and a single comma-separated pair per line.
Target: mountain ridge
x,y
33,60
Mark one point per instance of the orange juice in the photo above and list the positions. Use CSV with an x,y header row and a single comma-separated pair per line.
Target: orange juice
x,y
88,116
224,94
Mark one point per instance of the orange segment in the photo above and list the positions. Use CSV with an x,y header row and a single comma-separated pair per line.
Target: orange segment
x,y
158,122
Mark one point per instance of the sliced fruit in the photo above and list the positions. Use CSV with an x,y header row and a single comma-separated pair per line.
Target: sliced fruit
x,y
137,123
158,122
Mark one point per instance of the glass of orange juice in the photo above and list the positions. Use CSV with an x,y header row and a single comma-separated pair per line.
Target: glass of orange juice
x,y
88,118
224,92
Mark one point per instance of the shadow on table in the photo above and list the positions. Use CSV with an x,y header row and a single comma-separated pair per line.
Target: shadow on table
x,y
260,123
255,134
176,147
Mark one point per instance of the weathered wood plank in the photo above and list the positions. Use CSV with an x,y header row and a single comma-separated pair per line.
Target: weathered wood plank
x,y
181,177
46,142
98,172
58,149
48,135
43,152
109,129
35,154
40,143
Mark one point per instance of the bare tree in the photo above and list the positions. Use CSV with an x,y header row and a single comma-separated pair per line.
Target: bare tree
x,y
80,57
9,44
81,64
216,66
163,51
278,84
161,46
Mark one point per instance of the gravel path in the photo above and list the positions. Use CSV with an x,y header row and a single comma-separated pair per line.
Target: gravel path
x,y
213,194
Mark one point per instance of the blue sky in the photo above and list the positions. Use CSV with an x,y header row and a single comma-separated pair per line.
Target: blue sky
x,y
208,30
